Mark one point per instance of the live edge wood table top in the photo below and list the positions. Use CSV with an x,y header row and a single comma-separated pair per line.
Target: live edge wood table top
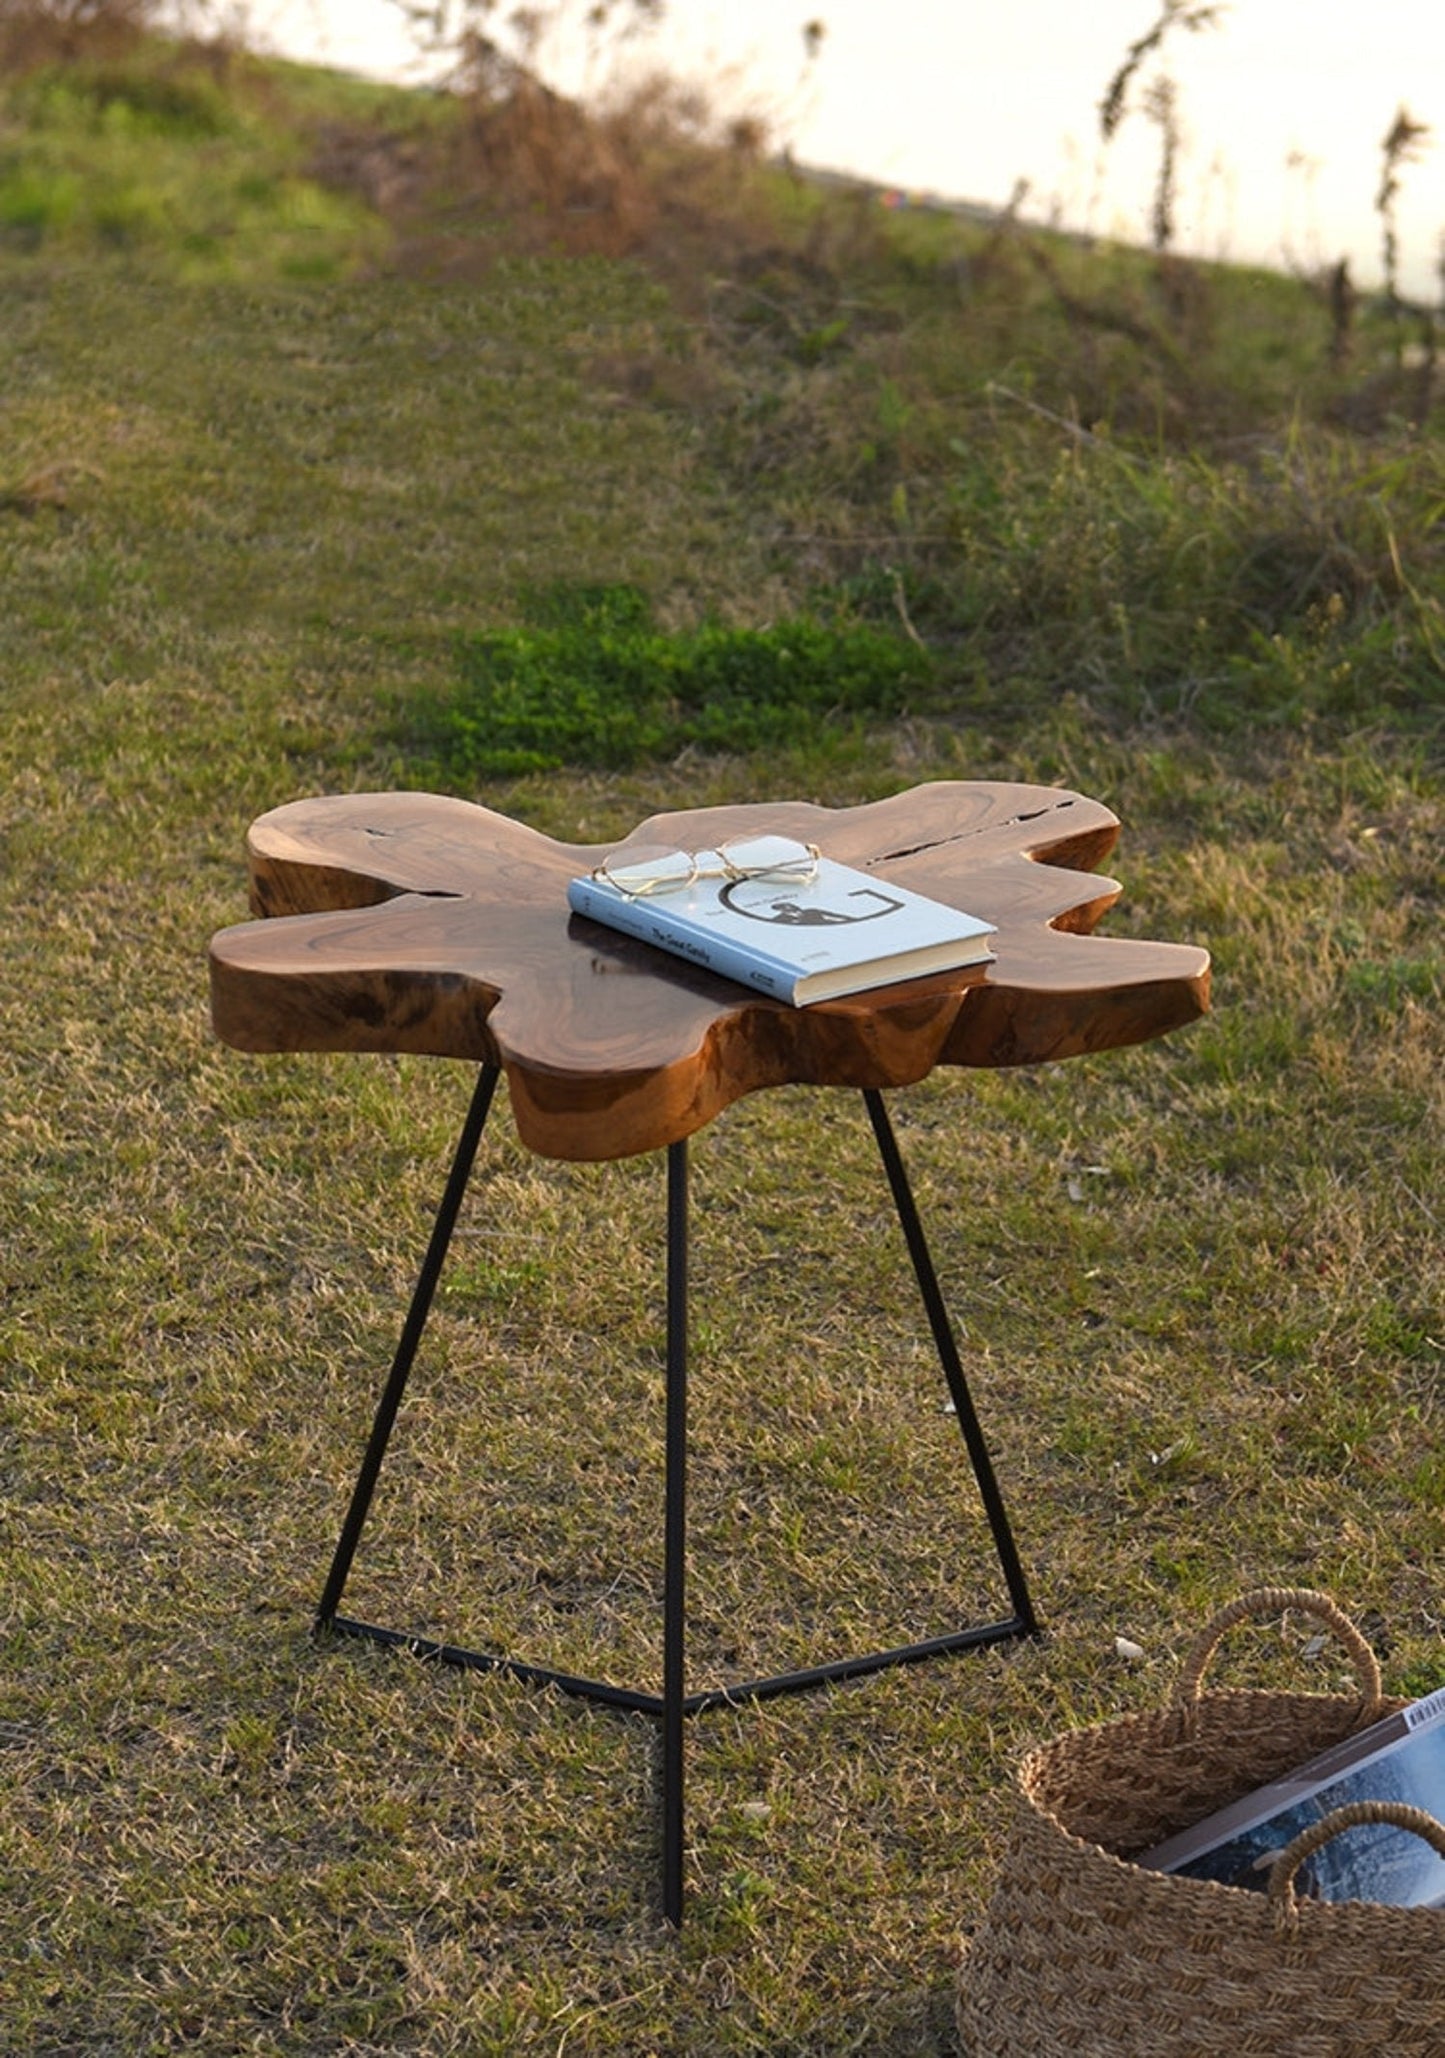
x,y
414,922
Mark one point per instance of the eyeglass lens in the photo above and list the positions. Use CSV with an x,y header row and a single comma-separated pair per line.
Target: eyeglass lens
x,y
643,870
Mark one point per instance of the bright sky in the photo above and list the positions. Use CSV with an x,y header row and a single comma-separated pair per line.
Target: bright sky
x,y
1284,105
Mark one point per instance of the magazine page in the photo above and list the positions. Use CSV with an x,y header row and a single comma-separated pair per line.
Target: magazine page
x,y
1372,1862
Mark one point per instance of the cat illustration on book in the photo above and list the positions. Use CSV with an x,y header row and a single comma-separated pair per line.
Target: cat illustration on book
x,y
762,903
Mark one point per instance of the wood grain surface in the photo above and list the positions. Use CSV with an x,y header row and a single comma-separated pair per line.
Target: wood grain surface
x,y
414,922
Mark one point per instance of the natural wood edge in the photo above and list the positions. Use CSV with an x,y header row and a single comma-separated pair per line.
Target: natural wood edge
x,y
474,957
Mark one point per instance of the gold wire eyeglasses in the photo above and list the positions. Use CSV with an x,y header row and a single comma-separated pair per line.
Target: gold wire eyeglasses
x,y
642,870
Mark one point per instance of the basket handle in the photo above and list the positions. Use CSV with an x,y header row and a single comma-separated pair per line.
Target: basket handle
x,y
1276,1600
1287,1864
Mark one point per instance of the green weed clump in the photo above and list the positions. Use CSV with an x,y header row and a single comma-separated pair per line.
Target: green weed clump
x,y
590,679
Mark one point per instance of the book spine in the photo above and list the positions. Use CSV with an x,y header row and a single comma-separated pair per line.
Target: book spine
x,y
644,919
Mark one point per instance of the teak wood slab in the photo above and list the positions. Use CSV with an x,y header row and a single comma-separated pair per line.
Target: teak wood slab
x,y
414,922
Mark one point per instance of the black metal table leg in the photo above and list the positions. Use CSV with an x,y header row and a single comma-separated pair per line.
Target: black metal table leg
x,y
674,1704
674,1598
421,1300
947,1348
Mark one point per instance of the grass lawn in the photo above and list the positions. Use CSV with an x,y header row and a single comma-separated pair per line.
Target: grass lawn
x,y
258,516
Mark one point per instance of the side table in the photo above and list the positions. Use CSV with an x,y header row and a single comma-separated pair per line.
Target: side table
x,y
413,922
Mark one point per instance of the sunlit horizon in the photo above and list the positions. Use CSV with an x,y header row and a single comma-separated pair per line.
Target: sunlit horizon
x,y
1282,113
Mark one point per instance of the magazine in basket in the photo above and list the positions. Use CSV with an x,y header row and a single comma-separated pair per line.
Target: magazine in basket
x,y
836,931
1401,1758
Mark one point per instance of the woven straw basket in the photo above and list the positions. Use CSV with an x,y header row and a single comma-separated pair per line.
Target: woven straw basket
x,y
1085,1954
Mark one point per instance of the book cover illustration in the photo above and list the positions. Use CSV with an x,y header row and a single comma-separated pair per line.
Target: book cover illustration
x,y
1371,1862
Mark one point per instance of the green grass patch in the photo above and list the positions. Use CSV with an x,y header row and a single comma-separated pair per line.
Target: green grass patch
x,y
589,678
194,171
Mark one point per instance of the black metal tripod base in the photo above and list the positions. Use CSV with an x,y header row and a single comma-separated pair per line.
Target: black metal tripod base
x,y
674,1704
633,1702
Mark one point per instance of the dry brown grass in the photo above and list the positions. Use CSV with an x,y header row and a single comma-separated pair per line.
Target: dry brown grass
x,y
529,170
36,32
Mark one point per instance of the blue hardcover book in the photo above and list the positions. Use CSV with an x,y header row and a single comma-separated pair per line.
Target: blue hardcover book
x,y
1401,1758
836,932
